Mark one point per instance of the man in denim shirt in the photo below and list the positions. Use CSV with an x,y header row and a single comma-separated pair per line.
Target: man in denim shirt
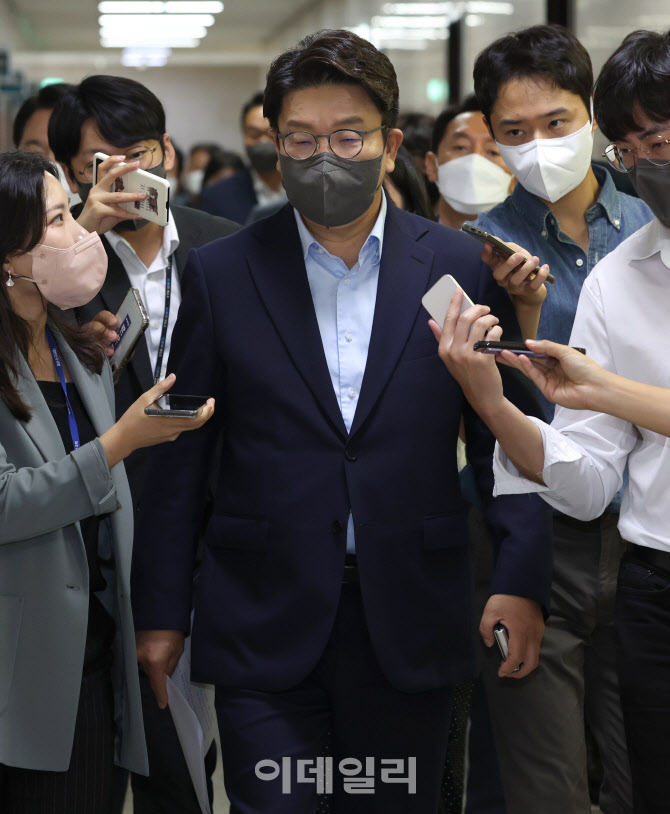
x,y
534,88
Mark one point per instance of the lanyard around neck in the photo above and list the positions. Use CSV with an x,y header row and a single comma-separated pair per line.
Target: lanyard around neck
x,y
166,319
72,421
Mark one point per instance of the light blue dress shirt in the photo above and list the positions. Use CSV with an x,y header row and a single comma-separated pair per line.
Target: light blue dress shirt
x,y
344,302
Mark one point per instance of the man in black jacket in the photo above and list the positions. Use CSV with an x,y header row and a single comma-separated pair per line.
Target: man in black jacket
x,y
120,117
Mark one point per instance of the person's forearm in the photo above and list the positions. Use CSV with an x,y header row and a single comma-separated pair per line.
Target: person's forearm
x,y
528,317
115,445
518,436
641,404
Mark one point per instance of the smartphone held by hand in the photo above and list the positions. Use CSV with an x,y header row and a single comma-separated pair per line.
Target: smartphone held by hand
x,y
132,323
437,299
172,405
499,247
155,207
519,348
501,636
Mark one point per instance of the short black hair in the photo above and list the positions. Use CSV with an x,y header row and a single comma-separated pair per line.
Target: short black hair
x,y
220,159
548,52
637,72
255,101
411,185
416,132
468,105
333,57
45,99
208,146
123,110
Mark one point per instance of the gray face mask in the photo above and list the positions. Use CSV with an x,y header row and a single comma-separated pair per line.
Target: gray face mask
x,y
124,225
652,184
330,190
262,157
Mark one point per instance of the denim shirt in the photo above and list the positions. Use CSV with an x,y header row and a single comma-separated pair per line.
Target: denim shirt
x,y
526,220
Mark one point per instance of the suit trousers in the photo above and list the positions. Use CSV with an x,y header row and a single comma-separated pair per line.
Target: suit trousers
x,y
643,660
538,721
86,787
369,721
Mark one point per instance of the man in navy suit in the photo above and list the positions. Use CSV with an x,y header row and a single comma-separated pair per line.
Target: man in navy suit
x,y
334,595
260,186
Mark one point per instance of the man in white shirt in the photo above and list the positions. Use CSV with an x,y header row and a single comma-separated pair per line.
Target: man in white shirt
x,y
120,117
577,464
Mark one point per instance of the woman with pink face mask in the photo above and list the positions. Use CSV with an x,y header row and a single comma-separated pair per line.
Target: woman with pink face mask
x,y
69,696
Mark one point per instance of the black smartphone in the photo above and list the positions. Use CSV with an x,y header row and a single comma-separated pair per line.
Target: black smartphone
x,y
499,247
486,346
171,405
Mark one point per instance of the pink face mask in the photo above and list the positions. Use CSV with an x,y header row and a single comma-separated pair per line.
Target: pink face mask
x,y
70,277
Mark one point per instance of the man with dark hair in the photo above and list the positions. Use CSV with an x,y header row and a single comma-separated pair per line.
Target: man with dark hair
x,y
30,129
535,88
260,186
121,117
466,165
334,592
198,157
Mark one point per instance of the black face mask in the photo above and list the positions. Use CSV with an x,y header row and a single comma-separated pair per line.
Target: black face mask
x,y
330,190
652,184
262,157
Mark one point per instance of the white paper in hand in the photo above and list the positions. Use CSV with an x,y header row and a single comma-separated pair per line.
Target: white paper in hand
x,y
436,300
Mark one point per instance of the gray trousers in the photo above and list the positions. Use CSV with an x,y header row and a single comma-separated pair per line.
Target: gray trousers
x,y
538,721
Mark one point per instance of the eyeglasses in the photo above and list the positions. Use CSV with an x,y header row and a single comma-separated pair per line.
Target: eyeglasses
x,y
344,143
142,153
654,148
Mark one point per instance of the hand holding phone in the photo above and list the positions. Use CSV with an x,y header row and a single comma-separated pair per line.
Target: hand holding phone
x,y
436,300
499,247
132,322
151,193
501,636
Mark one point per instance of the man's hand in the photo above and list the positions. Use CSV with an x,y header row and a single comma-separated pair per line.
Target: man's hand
x,y
517,274
567,377
523,619
158,652
102,327
101,211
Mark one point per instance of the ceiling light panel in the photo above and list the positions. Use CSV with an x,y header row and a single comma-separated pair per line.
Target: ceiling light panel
x,y
154,7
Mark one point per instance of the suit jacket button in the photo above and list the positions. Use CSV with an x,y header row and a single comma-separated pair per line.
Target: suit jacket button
x,y
350,455
337,526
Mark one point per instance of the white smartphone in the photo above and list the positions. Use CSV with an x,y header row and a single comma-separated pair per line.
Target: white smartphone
x,y
436,300
132,323
155,207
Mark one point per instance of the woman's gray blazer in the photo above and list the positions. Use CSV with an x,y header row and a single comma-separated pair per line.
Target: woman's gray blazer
x,y
44,577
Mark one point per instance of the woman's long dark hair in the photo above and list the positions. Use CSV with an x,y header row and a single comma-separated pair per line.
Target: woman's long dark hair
x,y
23,219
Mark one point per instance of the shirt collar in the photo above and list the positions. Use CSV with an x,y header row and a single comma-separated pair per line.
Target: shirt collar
x,y
540,217
654,238
170,239
374,239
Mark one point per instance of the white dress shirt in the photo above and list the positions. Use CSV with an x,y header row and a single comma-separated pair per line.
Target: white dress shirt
x,y
344,302
621,321
150,282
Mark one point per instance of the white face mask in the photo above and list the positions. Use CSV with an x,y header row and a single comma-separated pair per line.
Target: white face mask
x,y
551,167
193,181
472,184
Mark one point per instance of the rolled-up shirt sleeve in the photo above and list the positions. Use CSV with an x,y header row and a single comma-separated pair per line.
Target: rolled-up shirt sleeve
x,y
585,453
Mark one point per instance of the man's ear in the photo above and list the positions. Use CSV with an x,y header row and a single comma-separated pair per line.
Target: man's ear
x,y
430,165
69,177
169,155
393,142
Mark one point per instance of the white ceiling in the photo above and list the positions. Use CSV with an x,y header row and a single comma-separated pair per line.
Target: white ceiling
x,y
72,25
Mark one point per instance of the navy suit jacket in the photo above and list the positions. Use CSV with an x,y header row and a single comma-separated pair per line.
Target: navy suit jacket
x,y
194,229
232,198
289,473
